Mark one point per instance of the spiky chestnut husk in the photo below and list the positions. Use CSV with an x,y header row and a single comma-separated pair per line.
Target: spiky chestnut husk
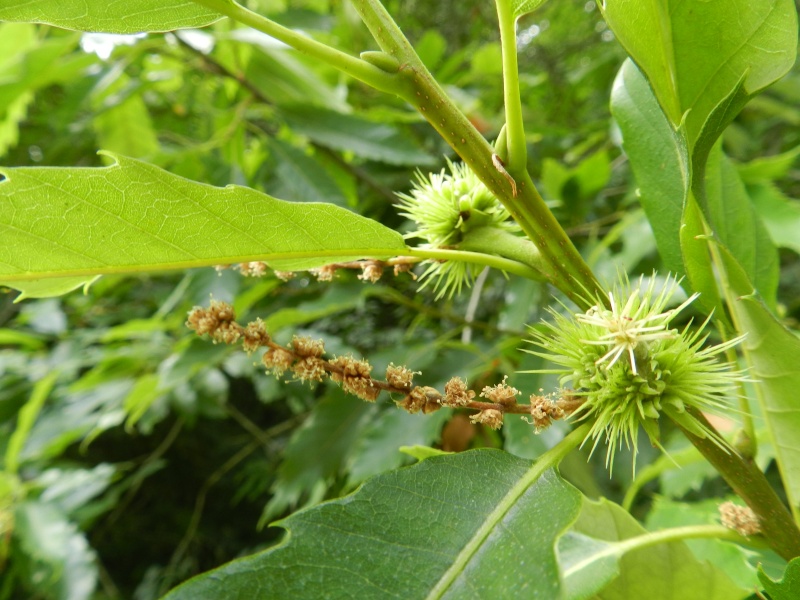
x,y
629,367
445,207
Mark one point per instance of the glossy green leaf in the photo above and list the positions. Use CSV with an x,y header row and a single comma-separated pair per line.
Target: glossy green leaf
x,y
737,225
131,216
788,588
697,259
702,57
133,16
658,158
598,561
447,527
366,139
771,352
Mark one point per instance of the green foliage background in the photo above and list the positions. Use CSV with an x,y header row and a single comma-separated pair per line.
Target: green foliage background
x,y
150,456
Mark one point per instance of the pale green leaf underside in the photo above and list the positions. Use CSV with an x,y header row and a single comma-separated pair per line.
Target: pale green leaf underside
x,y
415,533
597,563
132,217
114,16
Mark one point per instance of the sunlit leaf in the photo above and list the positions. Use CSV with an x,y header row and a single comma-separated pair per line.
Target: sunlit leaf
x,y
596,562
133,16
131,216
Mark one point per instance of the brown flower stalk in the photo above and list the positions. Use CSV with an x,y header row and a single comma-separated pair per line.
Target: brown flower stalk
x,y
304,358
371,270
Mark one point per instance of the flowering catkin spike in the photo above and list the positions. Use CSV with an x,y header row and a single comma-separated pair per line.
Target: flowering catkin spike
x,y
629,367
456,393
217,321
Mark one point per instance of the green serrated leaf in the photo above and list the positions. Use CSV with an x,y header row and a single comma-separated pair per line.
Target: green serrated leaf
x,y
788,588
695,54
597,562
131,216
133,16
468,525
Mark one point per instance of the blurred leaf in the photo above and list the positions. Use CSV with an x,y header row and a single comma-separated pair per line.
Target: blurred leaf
x,y
317,450
596,562
57,556
133,16
768,168
132,216
771,352
126,128
25,420
780,214
377,449
144,392
279,73
71,489
788,588
366,139
303,178
431,48
10,337
455,523
697,54
336,299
